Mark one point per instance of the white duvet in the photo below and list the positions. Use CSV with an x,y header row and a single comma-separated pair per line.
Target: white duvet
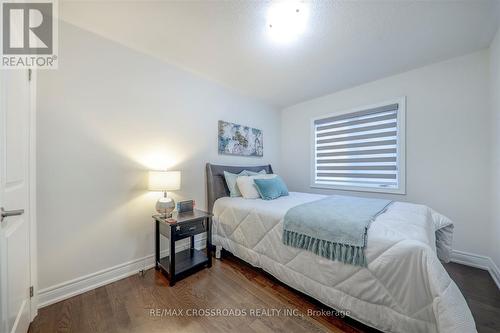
x,y
405,288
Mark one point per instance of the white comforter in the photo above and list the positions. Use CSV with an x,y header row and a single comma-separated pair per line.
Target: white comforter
x,y
404,289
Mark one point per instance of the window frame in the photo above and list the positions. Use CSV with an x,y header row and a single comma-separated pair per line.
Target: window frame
x,y
400,156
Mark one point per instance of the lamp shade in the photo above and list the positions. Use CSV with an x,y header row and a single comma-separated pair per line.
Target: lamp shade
x,y
164,180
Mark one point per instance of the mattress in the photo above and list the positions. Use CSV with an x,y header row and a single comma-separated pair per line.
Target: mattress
x,y
405,288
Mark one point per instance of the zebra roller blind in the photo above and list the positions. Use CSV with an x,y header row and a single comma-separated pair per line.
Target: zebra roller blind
x,y
361,150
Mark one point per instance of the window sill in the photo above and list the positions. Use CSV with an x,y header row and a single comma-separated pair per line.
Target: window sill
x,y
400,191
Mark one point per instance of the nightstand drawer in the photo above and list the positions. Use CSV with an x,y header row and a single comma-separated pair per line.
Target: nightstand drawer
x,y
189,229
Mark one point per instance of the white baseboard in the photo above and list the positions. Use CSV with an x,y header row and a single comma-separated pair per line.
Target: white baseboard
x,y
477,261
88,282
85,283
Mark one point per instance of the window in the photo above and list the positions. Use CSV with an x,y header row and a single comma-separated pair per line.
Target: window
x,y
362,149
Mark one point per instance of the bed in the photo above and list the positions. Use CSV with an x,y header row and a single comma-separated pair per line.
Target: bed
x,y
404,288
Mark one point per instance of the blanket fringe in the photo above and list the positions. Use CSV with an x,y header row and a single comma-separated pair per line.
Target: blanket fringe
x,y
353,255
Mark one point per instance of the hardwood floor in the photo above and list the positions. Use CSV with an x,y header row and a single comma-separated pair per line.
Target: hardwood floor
x,y
481,294
135,304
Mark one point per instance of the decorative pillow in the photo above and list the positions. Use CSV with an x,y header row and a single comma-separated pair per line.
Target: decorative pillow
x,y
247,186
270,189
231,183
231,180
252,173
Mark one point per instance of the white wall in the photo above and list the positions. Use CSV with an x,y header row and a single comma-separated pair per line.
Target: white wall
x,y
447,140
495,151
105,117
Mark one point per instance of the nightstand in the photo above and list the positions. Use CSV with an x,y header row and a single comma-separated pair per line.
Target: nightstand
x,y
188,261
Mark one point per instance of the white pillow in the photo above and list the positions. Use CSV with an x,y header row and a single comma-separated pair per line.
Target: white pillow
x,y
247,186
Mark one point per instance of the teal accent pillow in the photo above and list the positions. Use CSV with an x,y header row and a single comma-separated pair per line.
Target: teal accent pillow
x,y
270,189
234,191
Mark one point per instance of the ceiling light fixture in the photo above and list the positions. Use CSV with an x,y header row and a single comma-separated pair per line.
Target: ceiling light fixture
x,y
286,20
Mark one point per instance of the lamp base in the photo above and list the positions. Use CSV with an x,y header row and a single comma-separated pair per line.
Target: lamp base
x,y
165,206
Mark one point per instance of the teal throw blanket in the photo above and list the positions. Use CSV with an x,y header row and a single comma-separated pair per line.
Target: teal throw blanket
x,y
334,227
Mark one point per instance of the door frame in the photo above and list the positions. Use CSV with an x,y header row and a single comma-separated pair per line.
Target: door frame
x,y
32,194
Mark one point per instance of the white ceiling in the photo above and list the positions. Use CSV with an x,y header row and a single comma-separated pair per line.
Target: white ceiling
x,y
346,43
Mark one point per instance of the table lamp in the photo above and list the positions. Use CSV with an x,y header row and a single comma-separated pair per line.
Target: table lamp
x,y
165,181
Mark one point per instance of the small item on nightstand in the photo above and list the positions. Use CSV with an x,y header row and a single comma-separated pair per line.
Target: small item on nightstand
x,y
185,206
170,220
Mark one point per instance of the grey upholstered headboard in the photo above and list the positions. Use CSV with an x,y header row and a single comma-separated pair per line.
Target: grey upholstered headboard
x,y
216,183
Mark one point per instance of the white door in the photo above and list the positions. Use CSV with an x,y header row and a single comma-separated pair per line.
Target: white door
x,y
14,199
